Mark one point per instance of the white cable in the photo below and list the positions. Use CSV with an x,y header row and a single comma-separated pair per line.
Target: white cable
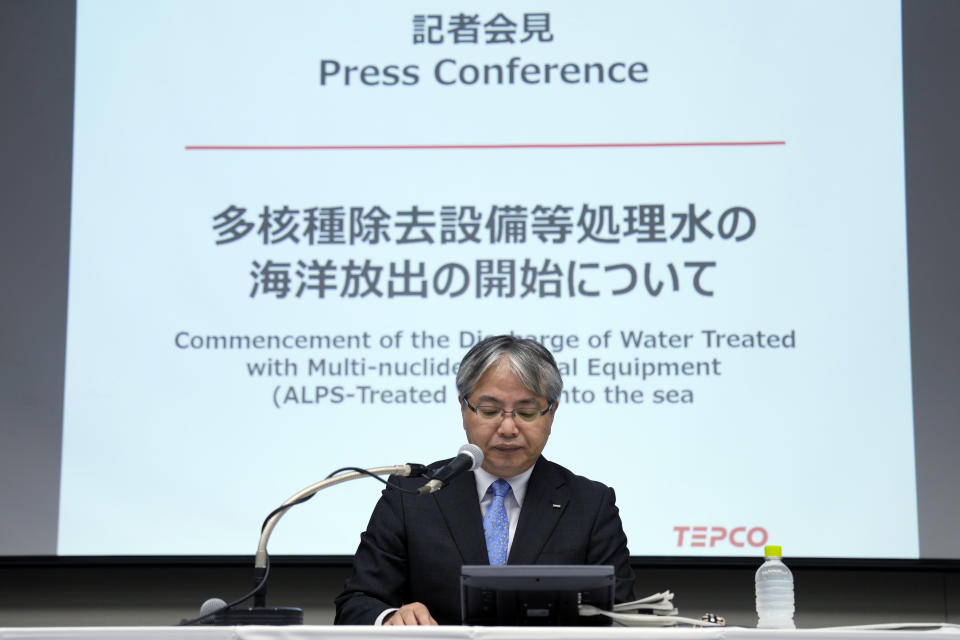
x,y
644,619
655,599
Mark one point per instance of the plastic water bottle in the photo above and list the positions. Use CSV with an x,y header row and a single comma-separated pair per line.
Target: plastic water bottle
x,y
774,584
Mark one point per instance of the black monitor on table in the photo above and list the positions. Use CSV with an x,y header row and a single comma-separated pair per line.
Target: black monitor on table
x,y
543,595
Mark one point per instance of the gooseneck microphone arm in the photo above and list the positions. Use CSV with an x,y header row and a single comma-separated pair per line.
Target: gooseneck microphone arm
x,y
469,458
260,564
305,494
260,613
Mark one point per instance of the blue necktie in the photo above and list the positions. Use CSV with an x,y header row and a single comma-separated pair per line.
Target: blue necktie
x,y
496,526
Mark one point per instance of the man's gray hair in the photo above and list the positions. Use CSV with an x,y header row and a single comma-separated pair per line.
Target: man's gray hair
x,y
528,359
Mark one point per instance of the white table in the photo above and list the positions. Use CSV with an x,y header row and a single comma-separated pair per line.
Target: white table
x,y
309,632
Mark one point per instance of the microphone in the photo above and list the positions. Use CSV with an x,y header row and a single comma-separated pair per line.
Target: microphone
x,y
469,457
211,605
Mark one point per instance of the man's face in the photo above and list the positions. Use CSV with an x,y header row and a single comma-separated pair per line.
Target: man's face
x,y
510,444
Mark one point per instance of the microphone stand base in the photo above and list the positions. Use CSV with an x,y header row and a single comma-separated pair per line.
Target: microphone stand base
x,y
276,616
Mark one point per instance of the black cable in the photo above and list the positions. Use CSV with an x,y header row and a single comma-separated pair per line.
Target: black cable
x,y
284,507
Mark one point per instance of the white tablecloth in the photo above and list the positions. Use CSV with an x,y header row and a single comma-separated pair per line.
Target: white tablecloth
x,y
307,632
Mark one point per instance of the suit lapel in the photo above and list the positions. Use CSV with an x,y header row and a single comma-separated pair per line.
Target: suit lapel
x,y
545,501
461,511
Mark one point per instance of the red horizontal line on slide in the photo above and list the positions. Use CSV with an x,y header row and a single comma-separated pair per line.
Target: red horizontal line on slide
x,y
415,147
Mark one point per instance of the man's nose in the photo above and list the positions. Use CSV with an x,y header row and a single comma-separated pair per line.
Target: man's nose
x,y
508,426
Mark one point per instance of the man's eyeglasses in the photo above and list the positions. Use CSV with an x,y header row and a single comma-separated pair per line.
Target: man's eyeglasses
x,y
491,413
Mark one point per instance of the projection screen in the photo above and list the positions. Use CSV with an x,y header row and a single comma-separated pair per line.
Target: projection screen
x,y
289,221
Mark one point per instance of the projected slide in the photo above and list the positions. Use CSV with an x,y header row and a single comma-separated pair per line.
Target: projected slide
x,y
291,220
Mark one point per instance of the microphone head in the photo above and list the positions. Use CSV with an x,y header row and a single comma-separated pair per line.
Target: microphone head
x,y
211,605
474,452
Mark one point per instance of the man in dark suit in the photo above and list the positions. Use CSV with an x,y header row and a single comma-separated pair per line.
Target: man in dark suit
x,y
407,568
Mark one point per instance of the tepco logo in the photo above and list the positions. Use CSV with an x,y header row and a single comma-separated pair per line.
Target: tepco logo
x,y
711,536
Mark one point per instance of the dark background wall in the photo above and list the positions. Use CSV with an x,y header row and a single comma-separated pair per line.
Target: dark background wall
x,y
98,594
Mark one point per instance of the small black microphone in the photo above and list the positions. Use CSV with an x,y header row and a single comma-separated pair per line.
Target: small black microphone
x,y
469,457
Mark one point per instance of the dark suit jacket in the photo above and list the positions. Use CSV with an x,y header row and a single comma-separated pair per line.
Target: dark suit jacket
x,y
414,546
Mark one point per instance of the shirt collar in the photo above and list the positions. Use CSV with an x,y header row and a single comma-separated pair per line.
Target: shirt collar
x,y
518,483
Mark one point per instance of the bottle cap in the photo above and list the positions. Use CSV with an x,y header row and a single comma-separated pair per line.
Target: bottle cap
x,y
772,551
